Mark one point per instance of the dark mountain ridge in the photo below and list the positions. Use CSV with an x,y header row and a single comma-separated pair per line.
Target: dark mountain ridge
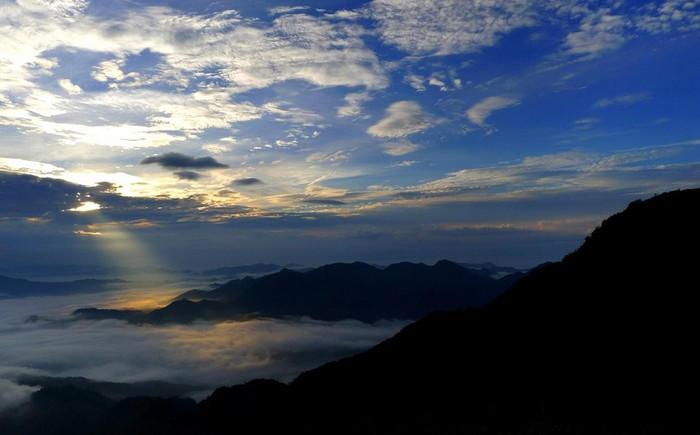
x,y
602,342
331,292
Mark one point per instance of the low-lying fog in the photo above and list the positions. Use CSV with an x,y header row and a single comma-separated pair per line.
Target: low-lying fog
x,y
38,337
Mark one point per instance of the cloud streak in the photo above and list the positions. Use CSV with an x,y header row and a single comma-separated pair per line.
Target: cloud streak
x,y
403,118
621,100
479,112
246,182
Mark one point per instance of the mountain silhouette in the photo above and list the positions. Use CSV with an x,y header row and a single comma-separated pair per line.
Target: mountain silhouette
x,y
602,342
332,292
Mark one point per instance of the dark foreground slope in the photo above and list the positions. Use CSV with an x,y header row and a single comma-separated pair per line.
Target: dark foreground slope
x,y
602,342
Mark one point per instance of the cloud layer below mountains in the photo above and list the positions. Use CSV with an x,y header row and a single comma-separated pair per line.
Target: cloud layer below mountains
x,y
204,354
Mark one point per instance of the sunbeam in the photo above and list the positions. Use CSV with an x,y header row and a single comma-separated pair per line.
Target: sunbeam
x,y
150,282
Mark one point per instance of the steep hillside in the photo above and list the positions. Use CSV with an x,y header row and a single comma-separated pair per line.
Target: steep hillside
x,y
601,342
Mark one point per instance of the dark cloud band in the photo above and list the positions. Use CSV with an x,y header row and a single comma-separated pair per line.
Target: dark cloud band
x,y
188,175
246,181
181,161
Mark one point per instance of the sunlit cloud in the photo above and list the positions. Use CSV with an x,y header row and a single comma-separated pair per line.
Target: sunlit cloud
x,y
399,148
70,88
86,206
29,167
403,118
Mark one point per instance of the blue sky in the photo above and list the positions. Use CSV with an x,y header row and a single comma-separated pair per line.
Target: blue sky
x,y
202,134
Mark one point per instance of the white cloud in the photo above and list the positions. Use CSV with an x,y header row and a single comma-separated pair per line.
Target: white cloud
x,y
202,60
403,118
399,148
448,26
353,104
681,15
416,82
216,148
598,32
479,112
12,394
69,87
38,169
436,81
294,115
279,10
404,164
110,71
135,118
67,9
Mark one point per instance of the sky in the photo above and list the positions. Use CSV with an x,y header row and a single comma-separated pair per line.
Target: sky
x,y
203,134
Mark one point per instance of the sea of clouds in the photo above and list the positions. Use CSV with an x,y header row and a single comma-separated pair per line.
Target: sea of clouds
x,y
40,337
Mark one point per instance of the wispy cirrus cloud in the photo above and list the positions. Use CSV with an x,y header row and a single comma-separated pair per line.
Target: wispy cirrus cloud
x,y
399,148
479,112
569,171
622,100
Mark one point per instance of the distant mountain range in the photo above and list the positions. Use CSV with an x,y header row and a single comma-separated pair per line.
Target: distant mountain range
x,y
602,342
20,288
332,292
112,390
